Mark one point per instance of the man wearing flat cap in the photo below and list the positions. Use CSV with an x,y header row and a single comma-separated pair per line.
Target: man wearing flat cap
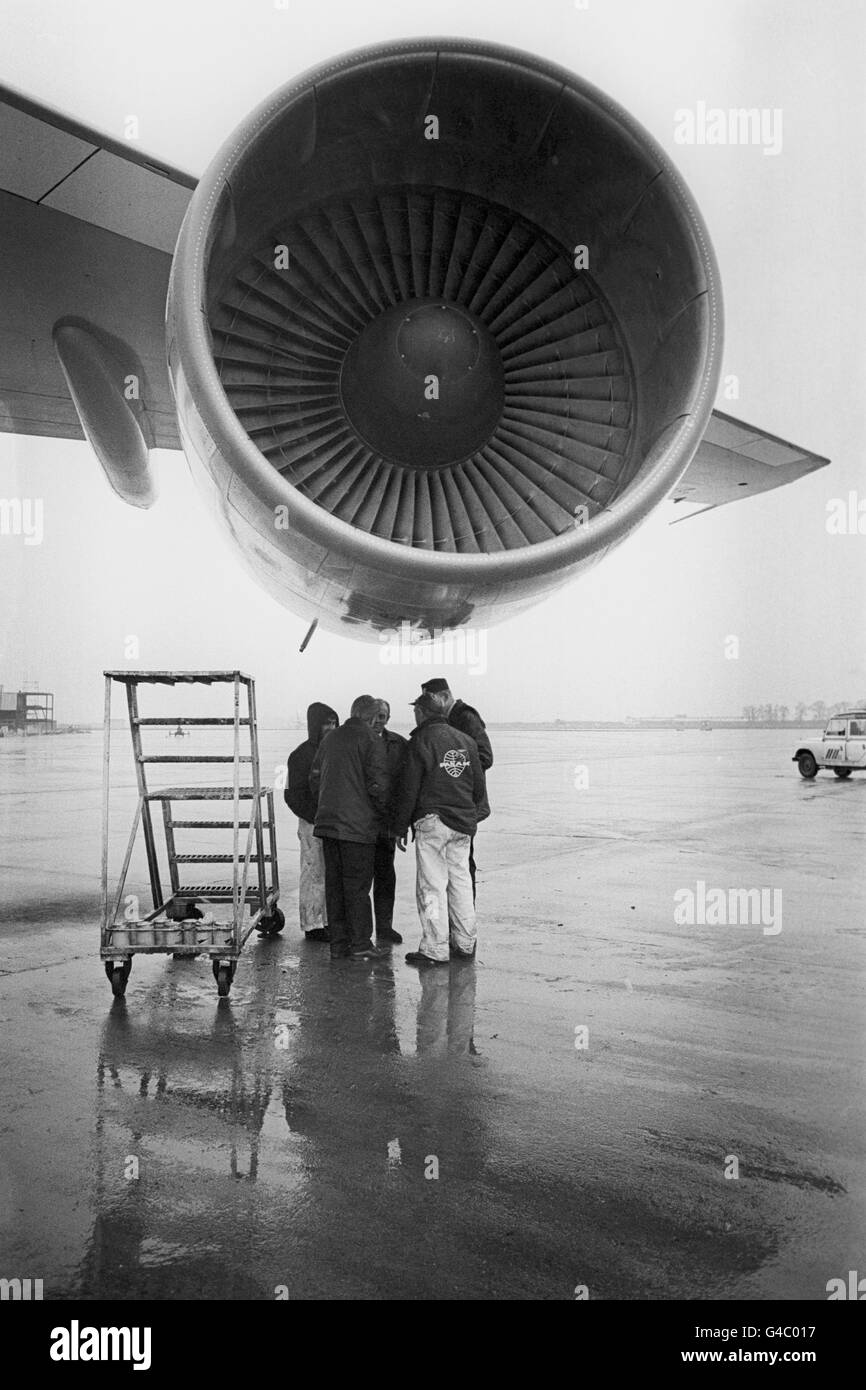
x,y
441,790
467,719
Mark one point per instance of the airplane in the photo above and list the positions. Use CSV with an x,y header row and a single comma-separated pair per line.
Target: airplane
x,y
439,326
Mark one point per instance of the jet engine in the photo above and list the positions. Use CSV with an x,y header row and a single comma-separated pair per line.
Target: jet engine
x,y
444,325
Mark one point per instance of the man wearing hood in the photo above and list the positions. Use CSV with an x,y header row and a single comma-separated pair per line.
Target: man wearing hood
x,y
321,720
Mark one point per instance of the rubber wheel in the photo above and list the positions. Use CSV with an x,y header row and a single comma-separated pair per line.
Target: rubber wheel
x,y
273,923
807,765
842,772
224,973
118,977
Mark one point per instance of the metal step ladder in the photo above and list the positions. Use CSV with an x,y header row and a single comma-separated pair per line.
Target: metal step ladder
x,y
175,923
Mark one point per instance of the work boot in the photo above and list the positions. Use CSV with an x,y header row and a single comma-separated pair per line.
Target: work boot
x,y
421,958
390,935
318,934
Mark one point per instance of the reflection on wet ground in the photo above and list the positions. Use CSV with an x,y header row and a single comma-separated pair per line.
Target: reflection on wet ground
x,y
315,1102
371,1131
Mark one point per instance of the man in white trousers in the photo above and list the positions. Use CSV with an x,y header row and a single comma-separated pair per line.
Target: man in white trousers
x,y
441,794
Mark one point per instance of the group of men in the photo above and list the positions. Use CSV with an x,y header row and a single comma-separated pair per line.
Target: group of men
x,y
356,789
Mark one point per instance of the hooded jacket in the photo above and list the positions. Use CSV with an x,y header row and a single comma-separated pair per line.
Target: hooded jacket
x,y
442,775
349,776
297,794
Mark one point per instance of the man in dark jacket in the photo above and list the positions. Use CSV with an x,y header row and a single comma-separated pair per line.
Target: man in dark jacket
x,y
384,877
467,719
349,777
321,720
441,795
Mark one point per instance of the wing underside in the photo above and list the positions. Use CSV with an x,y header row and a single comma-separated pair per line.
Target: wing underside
x,y
88,226
735,461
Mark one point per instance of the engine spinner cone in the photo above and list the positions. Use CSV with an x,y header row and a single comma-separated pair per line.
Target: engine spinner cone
x,y
423,383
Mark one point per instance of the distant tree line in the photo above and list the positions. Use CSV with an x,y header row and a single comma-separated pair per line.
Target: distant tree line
x,y
780,714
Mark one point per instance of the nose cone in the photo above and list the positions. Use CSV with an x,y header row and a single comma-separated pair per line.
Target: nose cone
x,y
423,383
438,338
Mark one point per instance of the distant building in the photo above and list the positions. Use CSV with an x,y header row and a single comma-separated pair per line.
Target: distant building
x,y
26,711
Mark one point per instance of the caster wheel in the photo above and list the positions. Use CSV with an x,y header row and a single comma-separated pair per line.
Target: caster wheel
x,y
273,924
118,976
224,973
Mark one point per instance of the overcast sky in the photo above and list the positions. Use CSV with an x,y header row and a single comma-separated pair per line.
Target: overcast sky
x,y
646,631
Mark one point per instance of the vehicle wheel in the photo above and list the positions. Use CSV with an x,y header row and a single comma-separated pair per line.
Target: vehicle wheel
x,y
842,772
273,923
807,765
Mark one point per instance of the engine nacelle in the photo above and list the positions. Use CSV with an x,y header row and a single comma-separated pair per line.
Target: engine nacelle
x,y
444,326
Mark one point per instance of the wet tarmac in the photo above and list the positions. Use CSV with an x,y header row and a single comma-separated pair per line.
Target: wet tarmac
x,y
346,1131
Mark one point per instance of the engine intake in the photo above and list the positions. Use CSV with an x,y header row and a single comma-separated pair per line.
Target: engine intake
x,y
439,301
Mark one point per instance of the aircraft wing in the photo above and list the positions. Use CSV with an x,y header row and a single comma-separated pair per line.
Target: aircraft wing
x,y
734,461
87,229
